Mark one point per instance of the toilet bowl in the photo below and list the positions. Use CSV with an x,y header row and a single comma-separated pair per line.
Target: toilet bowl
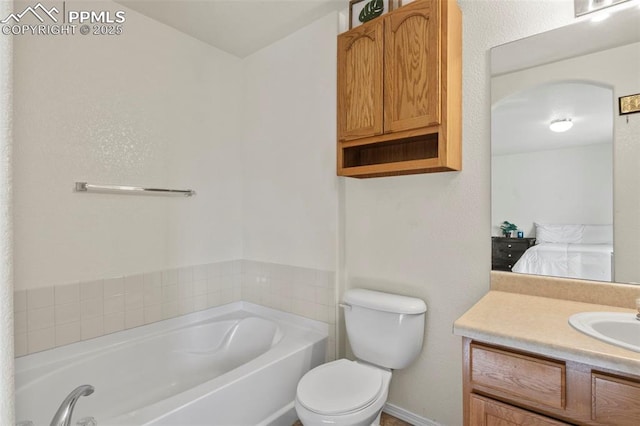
x,y
342,392
385,332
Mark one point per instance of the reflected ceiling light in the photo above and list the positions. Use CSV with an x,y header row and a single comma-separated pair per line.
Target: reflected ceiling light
x,y
561,125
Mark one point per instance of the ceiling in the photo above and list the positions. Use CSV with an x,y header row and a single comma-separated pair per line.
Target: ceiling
x,y
520,122
239,27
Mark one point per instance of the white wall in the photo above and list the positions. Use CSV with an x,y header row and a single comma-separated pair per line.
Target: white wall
x,y
428,235
572,185
150,107
288,161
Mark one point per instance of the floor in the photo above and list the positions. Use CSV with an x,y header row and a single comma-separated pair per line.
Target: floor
x,y
386,420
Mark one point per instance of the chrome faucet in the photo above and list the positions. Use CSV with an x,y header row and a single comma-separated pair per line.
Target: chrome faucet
x,y
63,415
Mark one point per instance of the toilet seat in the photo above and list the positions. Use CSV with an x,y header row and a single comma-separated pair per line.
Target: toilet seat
x,y
340,387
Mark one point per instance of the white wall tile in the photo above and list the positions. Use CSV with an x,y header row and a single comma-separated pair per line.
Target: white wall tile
x,y
73,312
67,333
200,302
152,293
134,318
133,283
40,340
40,298
20,301
20,347
152,314
113,322
169,277
113,287
324,296
199,273
170,293
199,287
91,308
66,313
325,279
185,290
20,322
215,284
170,310
152,279
186,306
213,299
330,313
91,327
92,290
185,275
114,304
214,270
67,293
237,294
226,296
236,266
38,319
133,301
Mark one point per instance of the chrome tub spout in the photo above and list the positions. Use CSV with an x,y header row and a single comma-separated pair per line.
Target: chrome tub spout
x,y
63,415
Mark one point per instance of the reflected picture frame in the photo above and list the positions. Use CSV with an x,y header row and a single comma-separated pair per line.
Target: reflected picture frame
x,y
356,6
629,104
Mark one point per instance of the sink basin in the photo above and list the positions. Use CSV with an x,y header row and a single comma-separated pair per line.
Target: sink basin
x,y
618,328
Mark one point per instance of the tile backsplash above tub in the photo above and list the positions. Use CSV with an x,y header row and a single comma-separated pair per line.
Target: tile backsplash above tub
x,y
55,316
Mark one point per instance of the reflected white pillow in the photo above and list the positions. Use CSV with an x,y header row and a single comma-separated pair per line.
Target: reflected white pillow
x,y
546,233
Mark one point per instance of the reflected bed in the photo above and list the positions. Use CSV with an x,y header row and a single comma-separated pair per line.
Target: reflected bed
x,y
581,261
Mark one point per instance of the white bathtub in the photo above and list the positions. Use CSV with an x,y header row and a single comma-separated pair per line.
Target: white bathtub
x,y
233,365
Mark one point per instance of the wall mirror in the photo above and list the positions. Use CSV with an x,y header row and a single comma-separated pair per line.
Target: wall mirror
x,y
573,194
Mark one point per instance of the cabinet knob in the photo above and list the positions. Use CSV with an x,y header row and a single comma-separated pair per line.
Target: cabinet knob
x,y
509,255
509,245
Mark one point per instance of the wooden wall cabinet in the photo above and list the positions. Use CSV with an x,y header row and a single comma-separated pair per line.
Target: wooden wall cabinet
x,y
399,92
508,387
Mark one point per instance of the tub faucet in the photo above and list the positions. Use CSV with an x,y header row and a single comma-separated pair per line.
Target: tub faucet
x,y
63,415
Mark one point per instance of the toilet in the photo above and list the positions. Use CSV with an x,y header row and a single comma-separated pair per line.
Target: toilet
x,y
385,332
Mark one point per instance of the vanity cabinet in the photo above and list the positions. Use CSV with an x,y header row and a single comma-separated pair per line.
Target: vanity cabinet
x,y
487,412
503,386
505,252
399,92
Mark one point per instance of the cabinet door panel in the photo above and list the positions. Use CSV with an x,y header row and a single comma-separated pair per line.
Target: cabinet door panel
x,y
531,379
360,56
616,401
412,67
487,412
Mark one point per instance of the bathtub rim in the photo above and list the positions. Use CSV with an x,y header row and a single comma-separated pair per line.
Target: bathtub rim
x,y
86,347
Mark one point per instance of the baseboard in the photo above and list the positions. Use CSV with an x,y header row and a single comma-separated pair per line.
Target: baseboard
x,y
408,416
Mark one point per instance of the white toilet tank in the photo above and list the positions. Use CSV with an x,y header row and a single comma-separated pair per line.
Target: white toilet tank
x,y
384,329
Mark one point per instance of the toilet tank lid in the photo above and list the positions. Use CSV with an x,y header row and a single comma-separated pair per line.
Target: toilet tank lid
x,y
385,302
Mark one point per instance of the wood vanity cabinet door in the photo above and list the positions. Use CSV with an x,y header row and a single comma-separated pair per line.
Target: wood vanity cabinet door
x,y
616,401
412,67
529,379
487,412
360,56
